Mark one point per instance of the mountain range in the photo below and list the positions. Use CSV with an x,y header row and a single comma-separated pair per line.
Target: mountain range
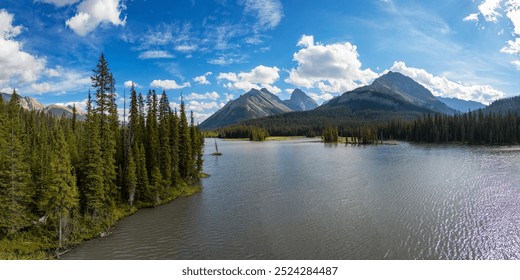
x,y
460,105
30,103
257,104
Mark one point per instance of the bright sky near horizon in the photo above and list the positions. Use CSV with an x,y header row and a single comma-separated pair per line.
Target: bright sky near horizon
x,y
215,50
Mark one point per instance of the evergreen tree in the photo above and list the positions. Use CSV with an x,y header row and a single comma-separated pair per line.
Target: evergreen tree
x,y
185,151
174,146
152,133
131,179
14,172
133,118
104,84
142,174
60,197
92,187
165,158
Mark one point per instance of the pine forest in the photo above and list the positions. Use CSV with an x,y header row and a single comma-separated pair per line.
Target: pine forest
x,y
64,180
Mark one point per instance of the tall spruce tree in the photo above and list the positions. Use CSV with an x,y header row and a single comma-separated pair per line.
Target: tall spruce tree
x,y
60,197
14,173
185,151
104,83
165,158
92,186
174,146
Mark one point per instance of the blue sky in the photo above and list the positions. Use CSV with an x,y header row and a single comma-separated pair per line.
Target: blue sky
x,y
215,50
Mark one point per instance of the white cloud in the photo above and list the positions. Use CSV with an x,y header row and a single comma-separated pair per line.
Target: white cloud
x,y
197,106
81,106
320,98
512,47
516,63
513,13
208,95
155,54
200,117
489,9
59,3
333,68
128,84
441,86
267,12
259,77
471,17
202,80
91,13
227,59
41,87
17,66
186,48
228,96
168,84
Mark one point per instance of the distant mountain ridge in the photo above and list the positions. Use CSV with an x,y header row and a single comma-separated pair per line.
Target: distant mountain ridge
x,y
391,92
30,103
461,105
300,101
256,104
392,96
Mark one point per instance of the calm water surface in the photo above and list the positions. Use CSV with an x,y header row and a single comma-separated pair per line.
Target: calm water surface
x,y
301,199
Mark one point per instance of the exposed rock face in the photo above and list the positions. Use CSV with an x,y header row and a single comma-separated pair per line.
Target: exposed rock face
x,y
300,101
253,104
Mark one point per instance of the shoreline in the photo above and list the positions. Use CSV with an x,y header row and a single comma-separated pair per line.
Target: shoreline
x,y
28,247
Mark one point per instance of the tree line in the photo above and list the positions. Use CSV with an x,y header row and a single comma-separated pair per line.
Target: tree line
x,y
64,180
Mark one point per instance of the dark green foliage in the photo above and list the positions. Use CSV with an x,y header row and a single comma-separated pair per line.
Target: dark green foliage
x,y
15,183
477,127
185,151
330,134
63,180
253,133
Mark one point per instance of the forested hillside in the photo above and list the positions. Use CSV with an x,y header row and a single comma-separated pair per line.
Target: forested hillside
x,y
63,180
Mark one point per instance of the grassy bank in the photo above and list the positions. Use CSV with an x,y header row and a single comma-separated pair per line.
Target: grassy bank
x,y
35,245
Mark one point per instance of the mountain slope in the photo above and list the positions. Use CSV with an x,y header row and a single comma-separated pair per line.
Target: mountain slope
x,y
461,105
391,96
300,101
505,105
29,103
26,102
391,92
253,104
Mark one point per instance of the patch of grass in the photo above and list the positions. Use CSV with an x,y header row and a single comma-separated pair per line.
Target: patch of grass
x,y
283,138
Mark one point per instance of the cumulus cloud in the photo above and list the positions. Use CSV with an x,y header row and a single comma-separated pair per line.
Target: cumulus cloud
x,y
441,86
489,9
333,68
155,54
91,13
59,3
228,96
512,47
81,106
516,63
202,80
267,12
201,106
208,95
18,66
168,84
471,17
259,77
128,84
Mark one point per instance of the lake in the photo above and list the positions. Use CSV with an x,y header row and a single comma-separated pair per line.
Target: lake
x,y
302,199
